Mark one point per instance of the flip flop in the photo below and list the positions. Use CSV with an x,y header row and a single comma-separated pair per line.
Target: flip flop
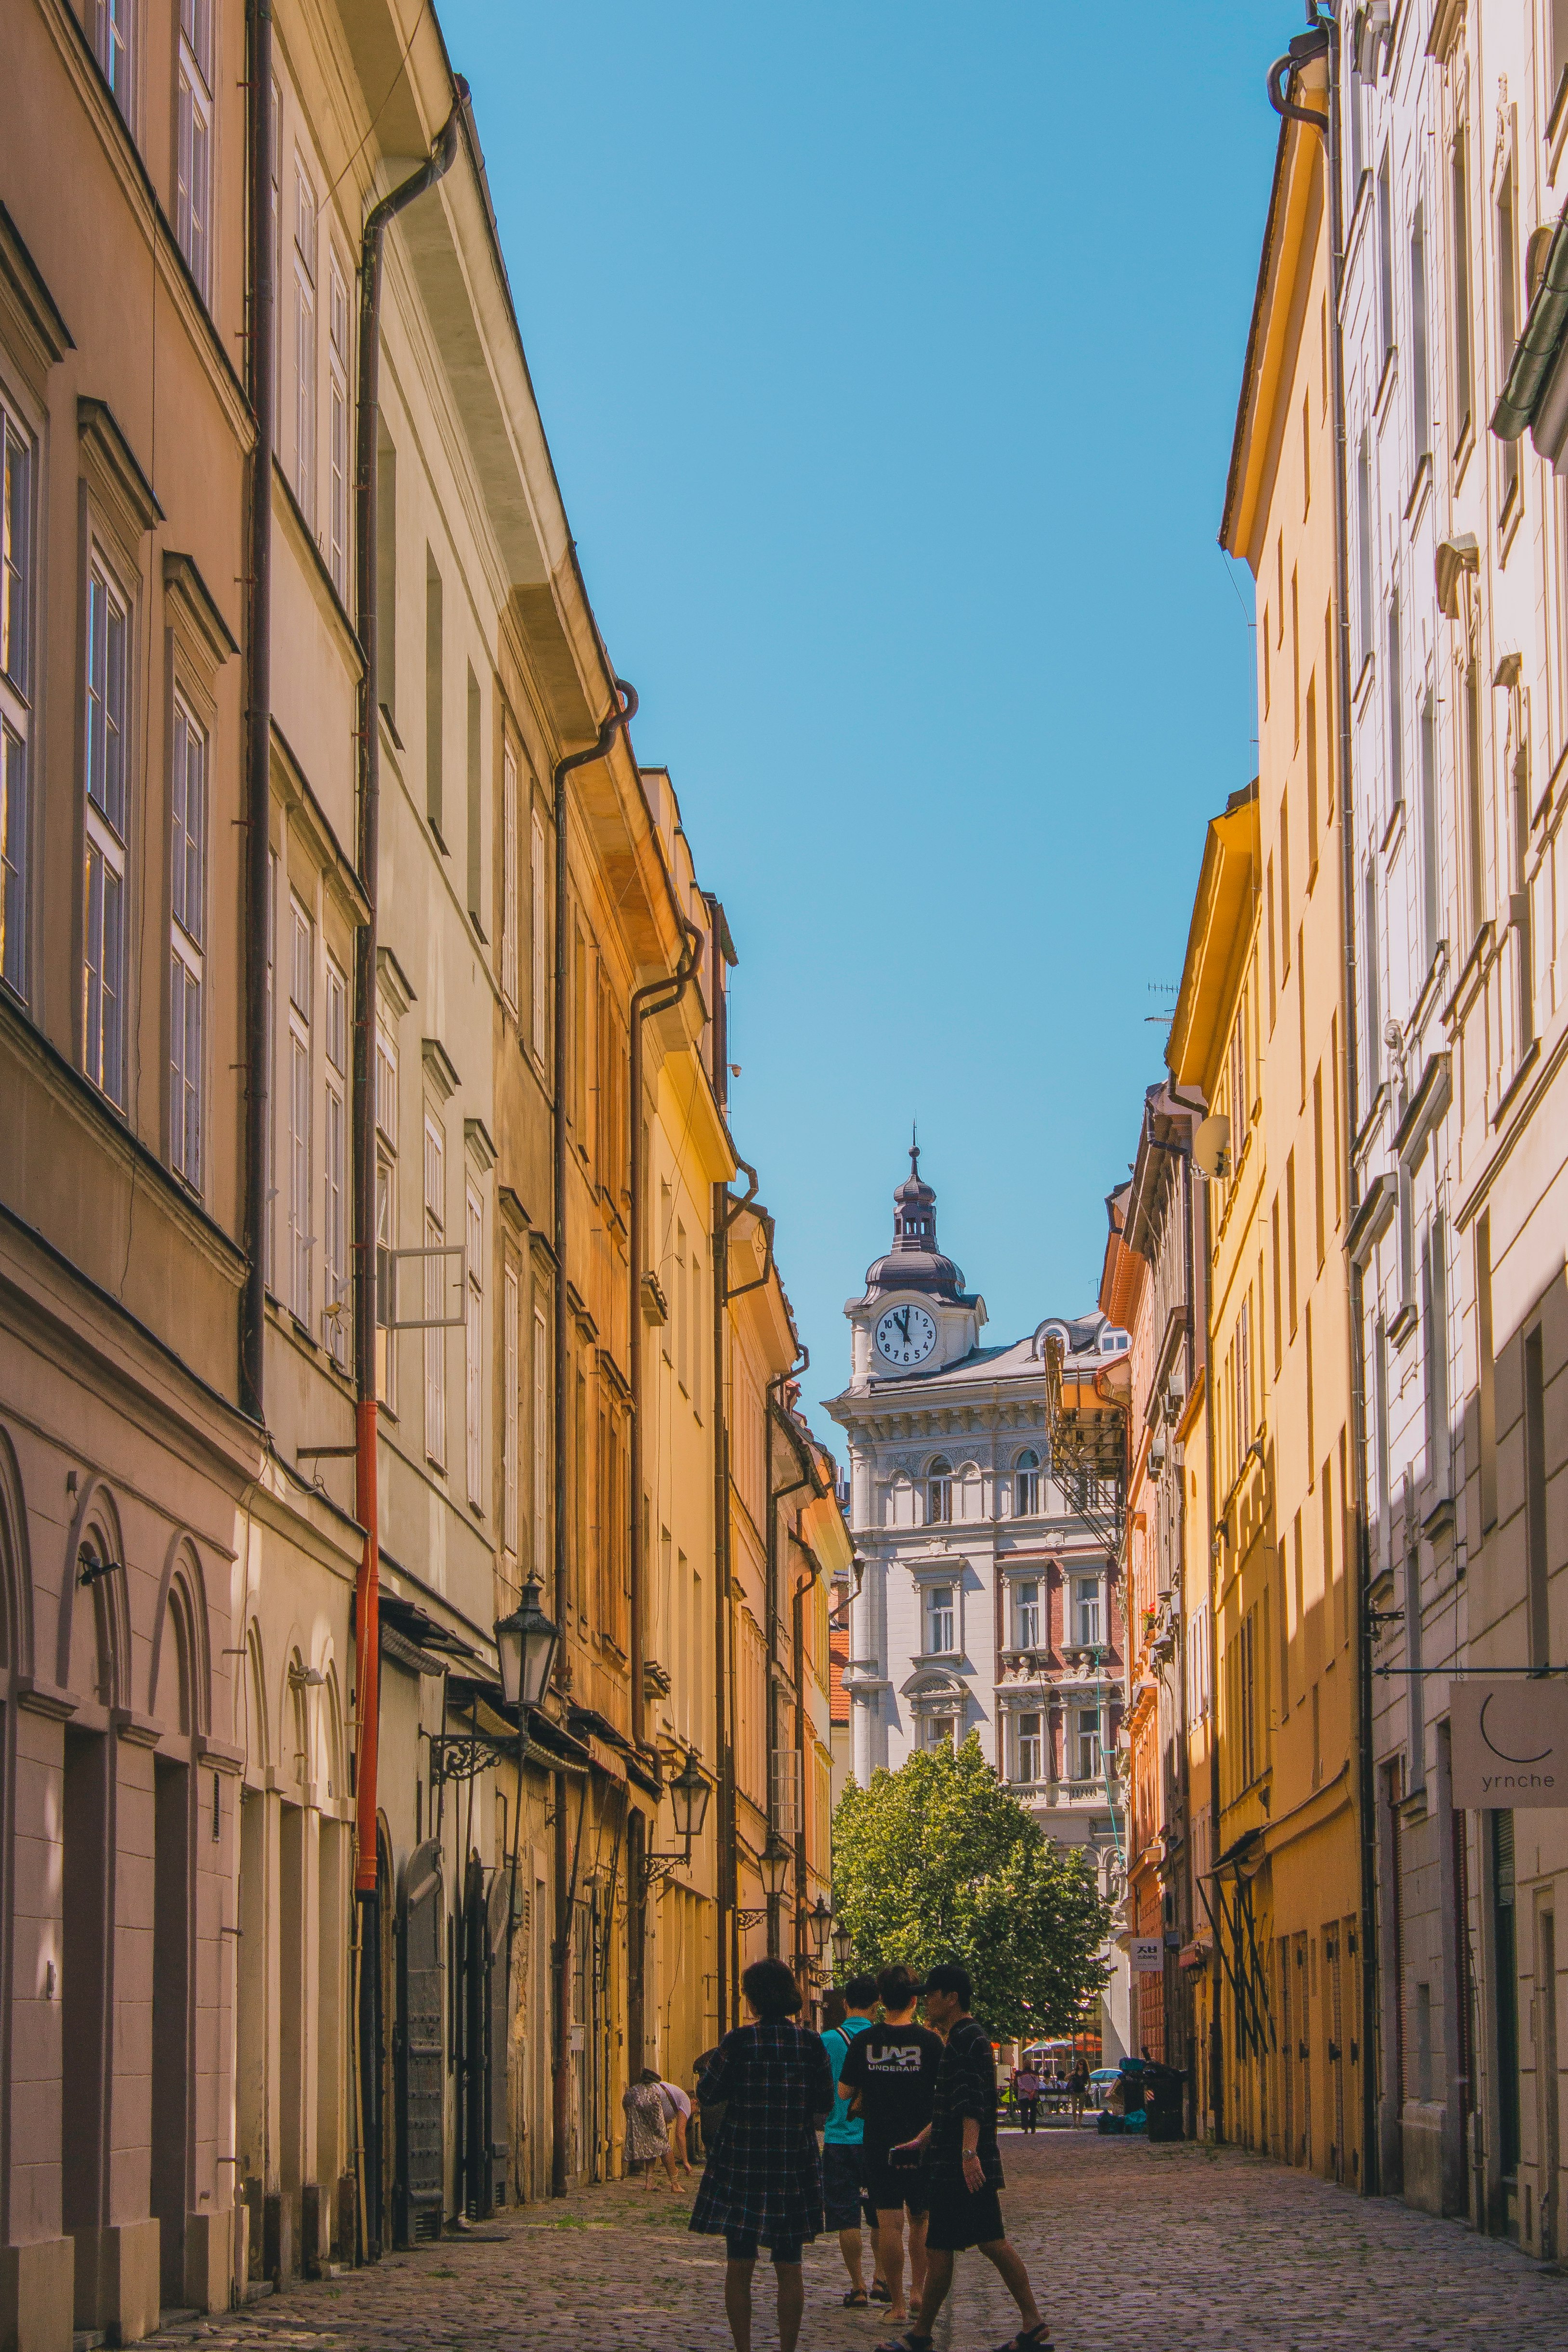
x,y
908,2342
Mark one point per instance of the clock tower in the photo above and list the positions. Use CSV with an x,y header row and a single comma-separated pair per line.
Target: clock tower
x,y
916,1316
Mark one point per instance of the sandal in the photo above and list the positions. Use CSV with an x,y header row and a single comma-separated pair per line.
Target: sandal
x,y
856,2299
1028,2339
908,2342
880,2291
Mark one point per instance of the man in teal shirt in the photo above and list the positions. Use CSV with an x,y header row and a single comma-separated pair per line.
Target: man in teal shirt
x,y
842,2155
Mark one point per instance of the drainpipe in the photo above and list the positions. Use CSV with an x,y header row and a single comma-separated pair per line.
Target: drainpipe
x,y
258,713
658,996
726,1209
776,1495
619,717
802,1886
1324,39
367,1619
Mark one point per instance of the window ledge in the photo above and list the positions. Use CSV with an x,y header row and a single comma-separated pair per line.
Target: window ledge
x,y
1386,381
1527,1062
1418,490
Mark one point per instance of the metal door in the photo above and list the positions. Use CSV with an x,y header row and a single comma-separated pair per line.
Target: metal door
x,y
499,1930
1303,2055
420,2046
1287,2052
1334,2037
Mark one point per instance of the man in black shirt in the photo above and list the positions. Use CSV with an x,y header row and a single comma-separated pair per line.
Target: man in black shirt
x,y
962,2169
892,2068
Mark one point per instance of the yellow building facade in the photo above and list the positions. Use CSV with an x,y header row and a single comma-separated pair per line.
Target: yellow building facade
x,y
1286,1877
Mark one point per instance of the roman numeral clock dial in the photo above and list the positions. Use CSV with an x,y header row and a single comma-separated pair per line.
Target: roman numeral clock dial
x,y
905,1335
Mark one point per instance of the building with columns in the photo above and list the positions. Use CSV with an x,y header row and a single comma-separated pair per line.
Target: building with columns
x,y
990,1600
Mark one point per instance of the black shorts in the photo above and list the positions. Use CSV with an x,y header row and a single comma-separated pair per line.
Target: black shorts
x,y
740,2245
843,2199
890,2185
958,2217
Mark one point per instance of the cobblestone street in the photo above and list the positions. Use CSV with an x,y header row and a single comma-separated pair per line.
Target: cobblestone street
x,y
1164,2247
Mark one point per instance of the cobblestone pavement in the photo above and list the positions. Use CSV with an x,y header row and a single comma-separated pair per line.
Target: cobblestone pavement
x,y
1164,2247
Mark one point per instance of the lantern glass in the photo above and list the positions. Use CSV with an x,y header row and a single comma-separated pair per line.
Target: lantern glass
x,y
843,1945
526,1643
688,1795
776,1859
821,1924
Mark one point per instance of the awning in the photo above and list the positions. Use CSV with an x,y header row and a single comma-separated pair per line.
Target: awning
x,y
1534,398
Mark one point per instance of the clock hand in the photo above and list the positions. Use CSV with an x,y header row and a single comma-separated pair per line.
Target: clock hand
x,y
904,1326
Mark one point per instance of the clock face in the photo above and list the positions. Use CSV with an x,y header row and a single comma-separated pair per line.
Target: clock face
x,y
906,1335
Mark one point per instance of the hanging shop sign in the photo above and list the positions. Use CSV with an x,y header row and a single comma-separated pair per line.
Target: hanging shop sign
x,y
1509,1743
1148,1956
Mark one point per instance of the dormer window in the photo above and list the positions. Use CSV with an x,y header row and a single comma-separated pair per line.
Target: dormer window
x,y
1027,1486
939,1492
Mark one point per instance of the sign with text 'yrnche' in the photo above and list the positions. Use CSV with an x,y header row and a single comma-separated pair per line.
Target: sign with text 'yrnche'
x,y
1509,1743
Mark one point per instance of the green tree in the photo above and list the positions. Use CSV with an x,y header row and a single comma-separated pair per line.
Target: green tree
x,y
938,1861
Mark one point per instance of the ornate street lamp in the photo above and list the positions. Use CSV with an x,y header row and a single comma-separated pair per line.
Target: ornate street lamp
x,y
843,1945
777,1857
821,1918
526,1643
688,1795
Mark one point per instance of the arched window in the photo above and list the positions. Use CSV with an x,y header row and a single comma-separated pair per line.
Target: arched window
x,y
1027,1484
939,1492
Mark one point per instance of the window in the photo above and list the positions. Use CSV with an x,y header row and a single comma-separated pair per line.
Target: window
x,y
1475,829
541,941
941,1615
511,1341
1463,363
1031,1750
1508,314
1290,1237
1090,1759
304,343
338,428
187,933
108,723
111,27
509,878
1372,1043
473,1344
435,1339
386,569
1086,1612
385,1239
1431,905
475,843
1284,885
386,1082
301,1240
1320,1221
1420,380
1364,539
1386,252
939,1492
15,708
1396,711
269,1231
334,1237
193,140
435,662
541,1439
1311,780
940,1731
1239,1085
1027,1615
1027,1484
1434,1326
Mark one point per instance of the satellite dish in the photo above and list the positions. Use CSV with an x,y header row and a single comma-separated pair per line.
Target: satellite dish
x,y
1211,1145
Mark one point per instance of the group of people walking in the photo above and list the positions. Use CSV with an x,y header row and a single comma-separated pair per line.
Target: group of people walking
x,y
907,2115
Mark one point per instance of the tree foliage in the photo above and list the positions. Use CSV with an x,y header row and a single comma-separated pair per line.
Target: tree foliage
x,y
939,1862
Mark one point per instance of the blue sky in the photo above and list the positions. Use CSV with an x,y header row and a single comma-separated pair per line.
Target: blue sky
x,y
889,357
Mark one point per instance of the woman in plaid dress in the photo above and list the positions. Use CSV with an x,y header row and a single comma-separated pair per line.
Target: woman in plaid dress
x,y
761,2184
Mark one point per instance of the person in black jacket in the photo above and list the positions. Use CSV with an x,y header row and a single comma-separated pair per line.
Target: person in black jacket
x,y
961,2166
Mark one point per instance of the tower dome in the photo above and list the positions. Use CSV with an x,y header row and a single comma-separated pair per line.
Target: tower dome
x,y
914,1261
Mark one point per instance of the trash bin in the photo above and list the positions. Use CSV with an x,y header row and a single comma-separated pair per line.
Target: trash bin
x,y
1162,2099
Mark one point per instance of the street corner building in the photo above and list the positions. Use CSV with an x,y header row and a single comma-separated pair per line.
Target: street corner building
x,y
400,1464
990,1598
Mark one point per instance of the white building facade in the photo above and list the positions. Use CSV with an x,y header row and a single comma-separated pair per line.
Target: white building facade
x,y
990,1603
